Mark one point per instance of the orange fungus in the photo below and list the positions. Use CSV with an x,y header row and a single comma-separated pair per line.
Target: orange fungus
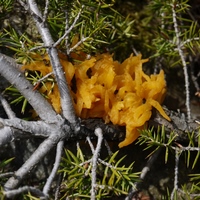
x,y
120,93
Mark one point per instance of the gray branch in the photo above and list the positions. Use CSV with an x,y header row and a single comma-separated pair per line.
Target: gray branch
x,y
98,133
13,193
37,128
6,135
15,77
40,152
7,107
55,168
66,100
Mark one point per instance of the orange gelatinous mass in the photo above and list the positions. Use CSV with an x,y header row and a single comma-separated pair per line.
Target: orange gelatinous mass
x,y
119,93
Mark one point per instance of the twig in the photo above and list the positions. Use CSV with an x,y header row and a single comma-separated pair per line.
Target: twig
x,y
194,76
67,36
85,162
98,133
38,47
108,147
150,162
57,191
13,193
137,186
177,155
106,164
55,168
191,195
45,14
187,148
39,153
90,143
7,174
7,108
68,30
10,115
6,135
189,40
178,44
43,78
83,39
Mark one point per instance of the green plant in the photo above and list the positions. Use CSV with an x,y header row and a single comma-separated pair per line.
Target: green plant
x,y
157,138
113,178
6,6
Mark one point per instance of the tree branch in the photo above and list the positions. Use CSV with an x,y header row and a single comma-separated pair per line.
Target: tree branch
x,y
6,135
7,107
45,14
98,133
55,168
13,193
38,128
39,153
66,100
68,29
37,101
180,51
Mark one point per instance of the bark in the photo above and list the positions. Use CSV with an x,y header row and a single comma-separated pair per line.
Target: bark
x,y
66,100
26,168
15,77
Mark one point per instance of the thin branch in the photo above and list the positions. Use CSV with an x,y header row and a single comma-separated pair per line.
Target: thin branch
x,y
191,195
7,174
36,14
45,14
68,30
57,190
189,40
177,155
150,163
7,107
65,96
83,39
90,143
178,44
43,78
39,153
138,185
187,148
38,48
12,193
108,148
6,135
55,168
194,76
98,133
85,162
67,44
106,164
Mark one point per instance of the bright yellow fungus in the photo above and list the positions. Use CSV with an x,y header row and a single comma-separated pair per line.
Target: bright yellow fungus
x,y
120,93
